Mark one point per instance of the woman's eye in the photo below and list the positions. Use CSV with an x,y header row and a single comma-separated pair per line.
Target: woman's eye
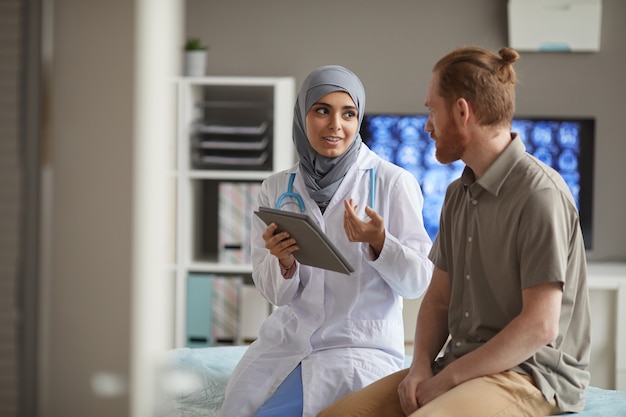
x,y
349,114
321,110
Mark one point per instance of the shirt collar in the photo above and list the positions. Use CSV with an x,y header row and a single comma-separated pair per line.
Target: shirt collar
x,y
497,173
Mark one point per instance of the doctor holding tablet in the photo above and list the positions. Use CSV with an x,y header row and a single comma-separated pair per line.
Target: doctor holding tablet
x,y
331,333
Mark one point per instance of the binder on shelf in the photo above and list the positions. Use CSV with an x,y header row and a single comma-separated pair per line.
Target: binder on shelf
x,y
236,201
253,312
213,305
252,193
225,309
315,247
198,311
232,211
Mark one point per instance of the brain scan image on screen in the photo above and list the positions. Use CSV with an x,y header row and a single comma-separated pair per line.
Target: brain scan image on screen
x,y
401,139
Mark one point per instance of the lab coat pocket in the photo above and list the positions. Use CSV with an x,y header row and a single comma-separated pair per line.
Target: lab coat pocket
x,y
280,328
378,334
372,364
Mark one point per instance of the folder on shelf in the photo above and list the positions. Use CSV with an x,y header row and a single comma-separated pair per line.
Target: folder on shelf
x,y
231,218
252,313
315,247
253,189
198,311
225,309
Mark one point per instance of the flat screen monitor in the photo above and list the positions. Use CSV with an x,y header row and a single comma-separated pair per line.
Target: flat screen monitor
x,y
565,144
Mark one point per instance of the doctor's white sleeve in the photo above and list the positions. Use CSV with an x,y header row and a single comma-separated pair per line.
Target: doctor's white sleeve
x,y
403,263
266,272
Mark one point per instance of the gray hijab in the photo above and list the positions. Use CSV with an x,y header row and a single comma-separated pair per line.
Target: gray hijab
x,y
322,174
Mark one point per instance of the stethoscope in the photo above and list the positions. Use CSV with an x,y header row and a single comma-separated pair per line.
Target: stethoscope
x,y
298,197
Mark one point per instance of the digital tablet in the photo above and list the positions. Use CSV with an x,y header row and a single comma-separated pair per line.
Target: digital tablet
x,y
315,247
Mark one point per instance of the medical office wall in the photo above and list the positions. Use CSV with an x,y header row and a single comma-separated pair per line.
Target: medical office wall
x,y
393,45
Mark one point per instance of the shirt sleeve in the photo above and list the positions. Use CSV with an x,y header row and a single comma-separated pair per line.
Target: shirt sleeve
x,y
543,242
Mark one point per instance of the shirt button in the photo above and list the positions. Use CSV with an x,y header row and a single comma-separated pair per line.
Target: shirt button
x,y
467,277
469,239
474,202
458,343
466,314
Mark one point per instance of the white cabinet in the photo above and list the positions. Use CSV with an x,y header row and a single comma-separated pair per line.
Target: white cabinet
x,y
607,290
232,132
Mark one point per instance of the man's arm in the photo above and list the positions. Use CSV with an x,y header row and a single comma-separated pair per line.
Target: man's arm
x,y
431,333
535,326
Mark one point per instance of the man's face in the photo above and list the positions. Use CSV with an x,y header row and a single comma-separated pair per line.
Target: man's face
x,y
443,126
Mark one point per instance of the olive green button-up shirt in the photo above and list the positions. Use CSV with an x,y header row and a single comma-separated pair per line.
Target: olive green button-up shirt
x,y
516,227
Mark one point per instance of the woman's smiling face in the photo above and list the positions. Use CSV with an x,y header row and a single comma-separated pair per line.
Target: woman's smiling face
x,y
332,123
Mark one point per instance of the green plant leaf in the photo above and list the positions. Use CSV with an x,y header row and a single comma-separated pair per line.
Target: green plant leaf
x,y
195,44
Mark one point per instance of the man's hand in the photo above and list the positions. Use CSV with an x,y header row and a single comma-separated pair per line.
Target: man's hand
x,y
410,387
432,388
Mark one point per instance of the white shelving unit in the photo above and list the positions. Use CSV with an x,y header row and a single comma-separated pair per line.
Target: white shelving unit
x,y
224,110
609,278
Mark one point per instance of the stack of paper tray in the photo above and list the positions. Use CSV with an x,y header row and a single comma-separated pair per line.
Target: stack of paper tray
x,y
220,146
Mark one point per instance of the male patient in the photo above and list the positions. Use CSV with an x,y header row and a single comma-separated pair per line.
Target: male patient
x,y
509,287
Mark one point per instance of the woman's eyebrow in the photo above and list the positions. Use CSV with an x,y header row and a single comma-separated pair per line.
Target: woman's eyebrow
x,y
321,103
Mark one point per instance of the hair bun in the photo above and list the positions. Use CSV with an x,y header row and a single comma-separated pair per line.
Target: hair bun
x,y
509,55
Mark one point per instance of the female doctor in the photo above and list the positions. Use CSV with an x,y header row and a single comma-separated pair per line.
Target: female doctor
x,y
332,333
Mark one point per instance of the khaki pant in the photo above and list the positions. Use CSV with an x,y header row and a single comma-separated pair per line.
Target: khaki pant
x,y
501,395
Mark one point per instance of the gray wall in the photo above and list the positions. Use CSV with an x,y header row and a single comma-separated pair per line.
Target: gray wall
x,y
392,46
86,297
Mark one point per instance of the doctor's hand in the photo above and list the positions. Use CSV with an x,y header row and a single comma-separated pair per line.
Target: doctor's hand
x,y
281,245
371,231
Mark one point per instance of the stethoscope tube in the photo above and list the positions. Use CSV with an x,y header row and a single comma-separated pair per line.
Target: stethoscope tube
x,y
372,186
290,193
298,197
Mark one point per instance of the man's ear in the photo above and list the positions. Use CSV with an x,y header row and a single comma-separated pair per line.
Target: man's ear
x,y
462,110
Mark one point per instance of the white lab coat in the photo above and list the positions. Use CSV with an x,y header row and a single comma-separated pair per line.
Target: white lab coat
x,y
345,330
